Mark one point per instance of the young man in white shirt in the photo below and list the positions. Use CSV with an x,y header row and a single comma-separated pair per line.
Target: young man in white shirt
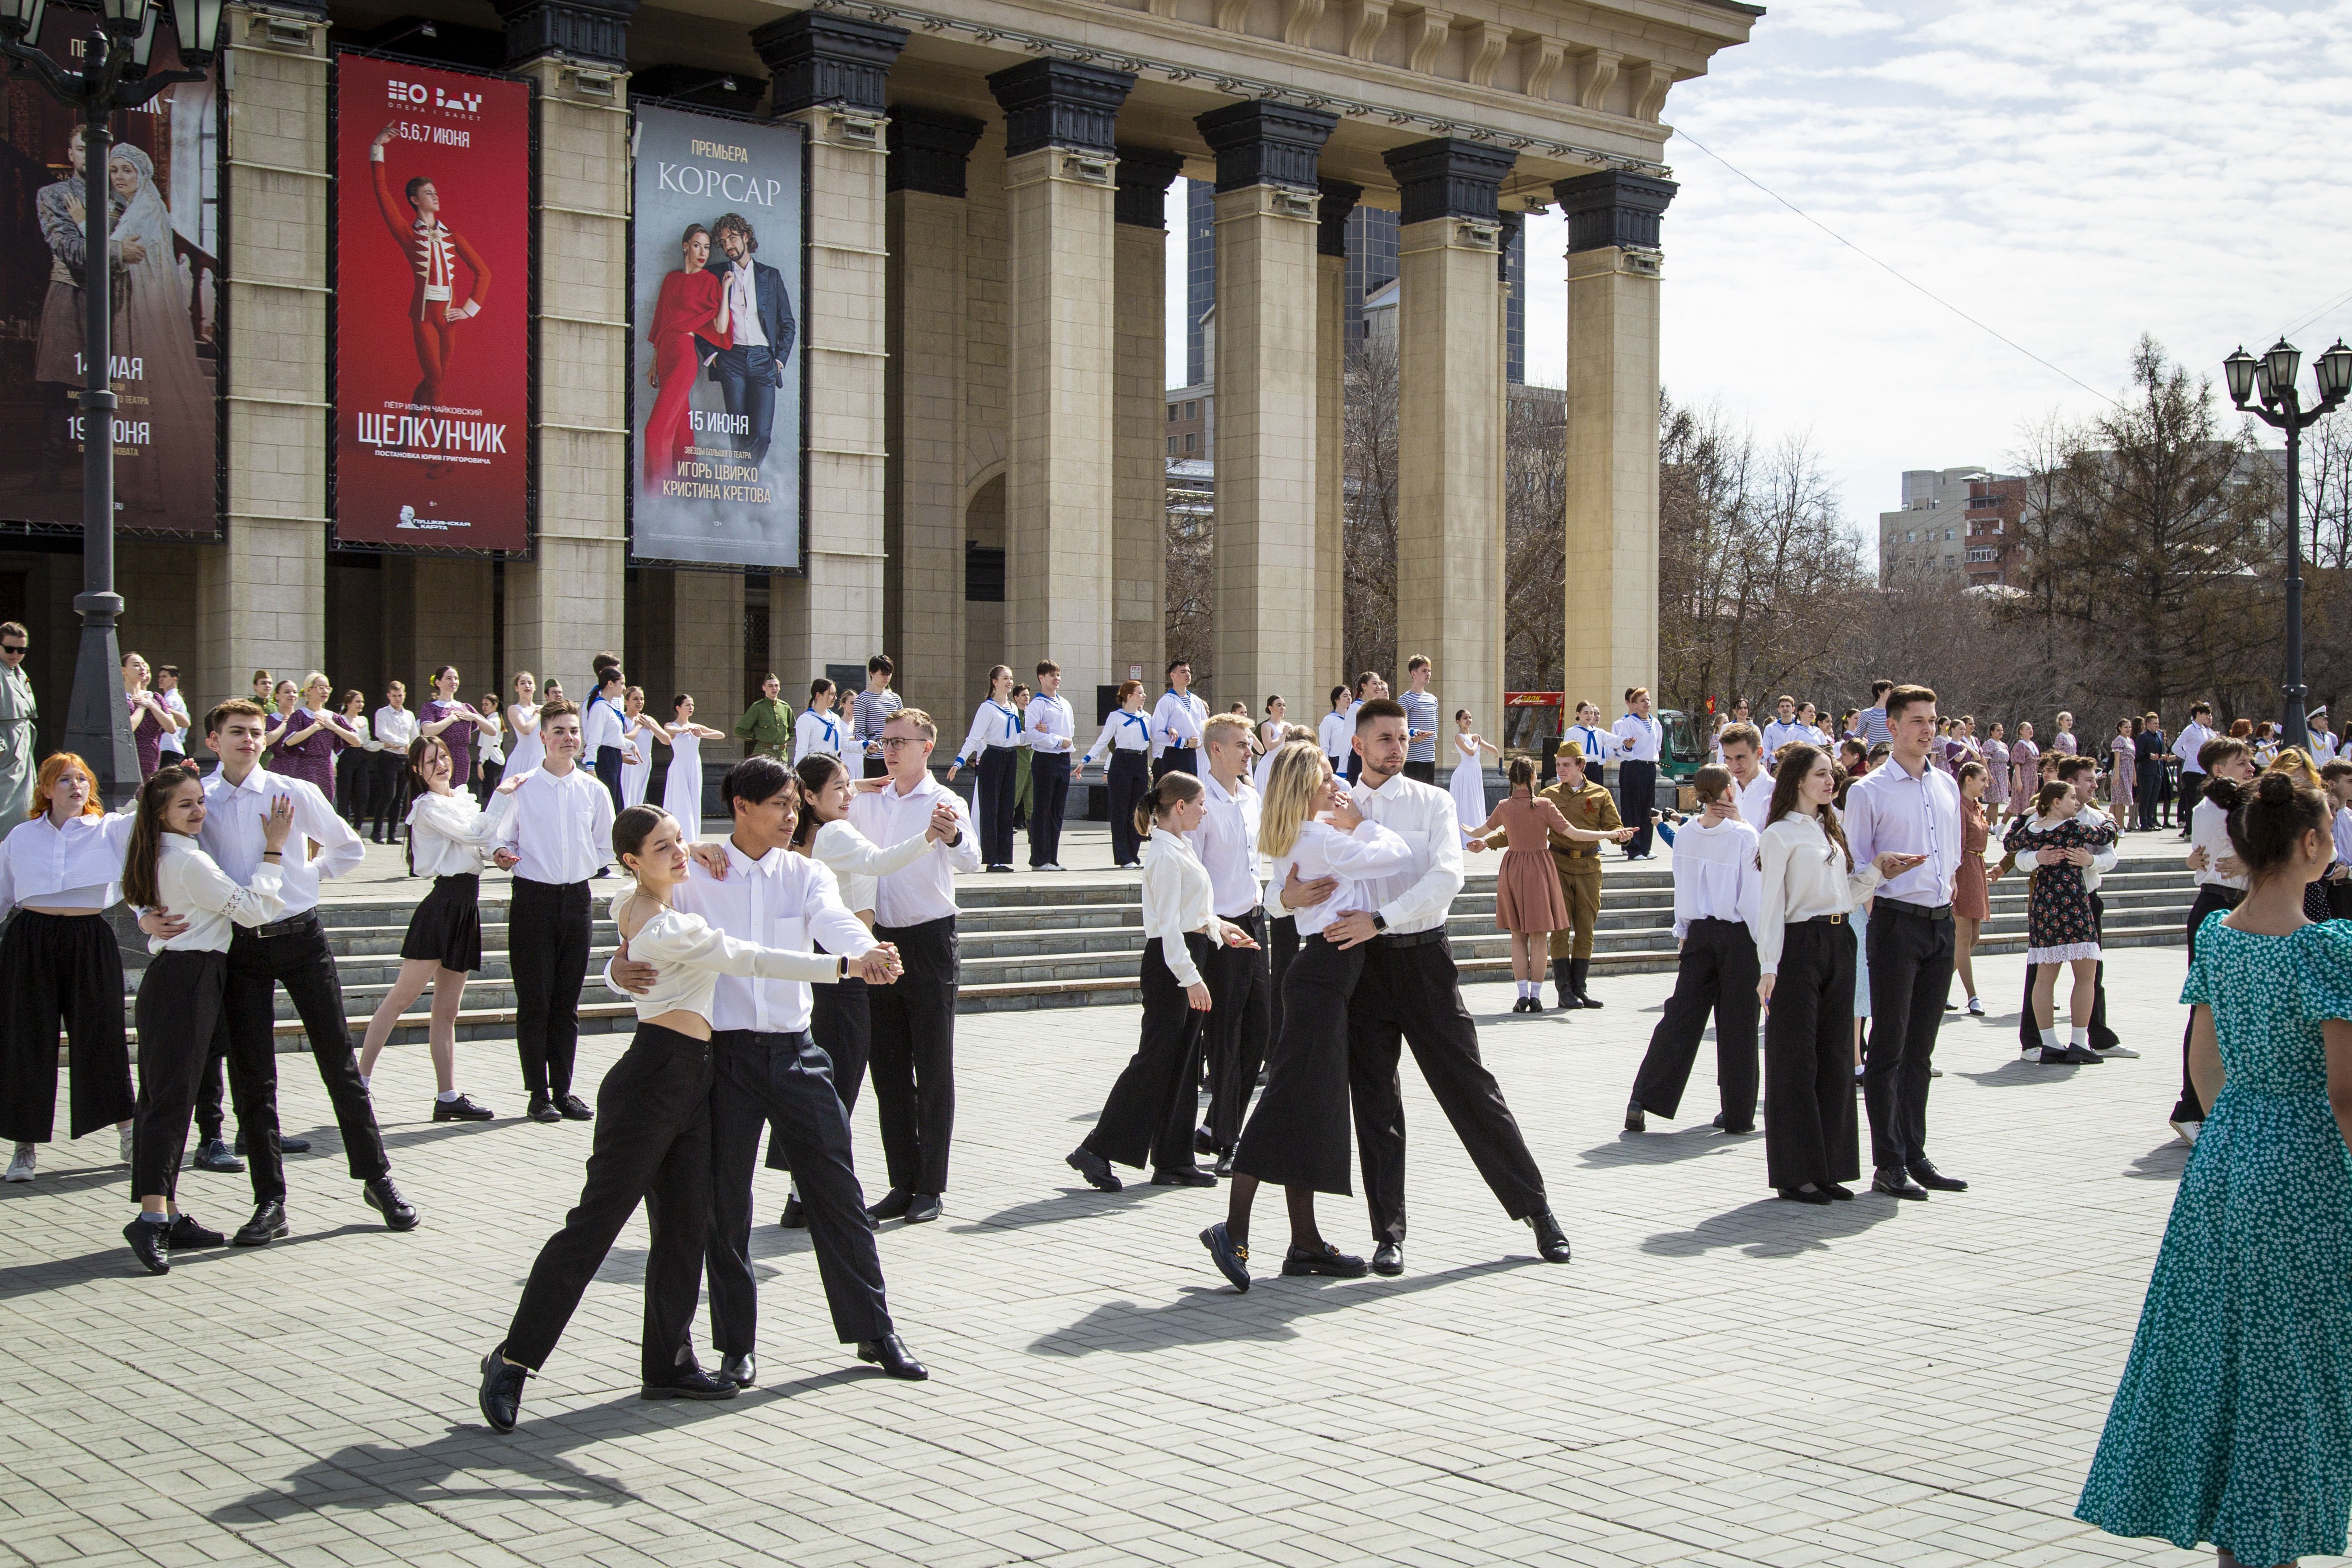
x,y
175,742
1641,745
912,1062
292,952
1751,787
819,728
1052,742
1411,993
1176,721
1241,983
1716,896
2190,746
1784,730
2220,884
556,837
394,729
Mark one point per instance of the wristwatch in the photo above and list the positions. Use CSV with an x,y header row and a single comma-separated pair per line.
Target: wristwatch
x,y
1379,921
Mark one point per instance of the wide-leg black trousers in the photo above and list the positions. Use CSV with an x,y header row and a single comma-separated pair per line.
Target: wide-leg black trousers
x,y
913,1060
1241,1021
1717,974
1129,777
296,957
993,803
1910,974
1049,798
179,999
1149,1114
1808,1130
61,970
1637,788
547,930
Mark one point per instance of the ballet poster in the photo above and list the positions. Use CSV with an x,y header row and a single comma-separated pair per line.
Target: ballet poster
x,y
714,389
162,178
432,338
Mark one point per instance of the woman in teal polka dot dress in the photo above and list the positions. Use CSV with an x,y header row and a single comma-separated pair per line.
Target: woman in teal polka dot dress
x,y
2233,1424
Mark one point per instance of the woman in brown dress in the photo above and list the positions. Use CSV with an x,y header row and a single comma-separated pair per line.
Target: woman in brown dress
x,y
1528,902
1971,901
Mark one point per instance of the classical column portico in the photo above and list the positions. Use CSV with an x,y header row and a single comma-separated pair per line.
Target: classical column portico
x,y
1612,432
1449,567
1330,646
1140,518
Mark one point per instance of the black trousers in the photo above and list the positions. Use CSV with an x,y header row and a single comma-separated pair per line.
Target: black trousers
x,y
1424,772
2210,897
1717,974
61,969
300,960
179,1003
1910,974
652,1145
1128,782
209,1093
993,803
486,778
1049,797
1637,787
785,1081
1355,765
876,768
2029,1033
1151,1108
548,928
1241,1023
1282,946
841,1022
608,774
1412,995
1808,1132
2150,780
2192,790
388,796
355,785
1176,760
1298,1136
913,1060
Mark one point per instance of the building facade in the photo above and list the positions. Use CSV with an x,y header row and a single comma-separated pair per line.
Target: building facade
x,y
1960,521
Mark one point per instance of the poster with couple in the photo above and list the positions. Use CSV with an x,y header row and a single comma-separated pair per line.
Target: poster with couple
x,y
716,384
163,180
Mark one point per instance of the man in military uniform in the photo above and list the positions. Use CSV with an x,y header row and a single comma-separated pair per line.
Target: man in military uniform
x,y
766,727
1587,806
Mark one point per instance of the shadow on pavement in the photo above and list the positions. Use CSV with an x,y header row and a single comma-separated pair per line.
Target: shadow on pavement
x,y
1203,1315
1655,1148
1773,1229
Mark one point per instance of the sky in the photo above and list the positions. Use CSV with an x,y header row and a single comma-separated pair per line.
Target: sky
x,y
2071,173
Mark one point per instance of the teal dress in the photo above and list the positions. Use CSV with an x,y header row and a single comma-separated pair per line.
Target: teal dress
x,y
2233,1424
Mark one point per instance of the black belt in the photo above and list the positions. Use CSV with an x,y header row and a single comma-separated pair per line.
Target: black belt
x,y
306,921
1410,938
1921,911
1821,920
1252,920
1719,920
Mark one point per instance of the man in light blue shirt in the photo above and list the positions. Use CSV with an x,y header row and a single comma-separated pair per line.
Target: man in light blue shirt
x,y
1871,721
1784,730
1421,722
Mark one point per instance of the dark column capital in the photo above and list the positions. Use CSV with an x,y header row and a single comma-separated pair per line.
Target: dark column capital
x,y
1060,103
1447,177
1614,207
1339,199
1260,142
1512,223
820,57
593,30
1144,176
929,150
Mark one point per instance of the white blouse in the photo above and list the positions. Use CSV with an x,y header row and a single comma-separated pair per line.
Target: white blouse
x,y
78,866
689,956
1178,897
191,886
1356,859
859,865
1804,876
450,835
994,726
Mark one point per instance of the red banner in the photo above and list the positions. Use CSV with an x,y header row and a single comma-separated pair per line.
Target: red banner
x,y
432,288
1531,699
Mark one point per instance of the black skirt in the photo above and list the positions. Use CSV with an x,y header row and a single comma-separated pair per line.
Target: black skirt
x,y
1298,1134
447,927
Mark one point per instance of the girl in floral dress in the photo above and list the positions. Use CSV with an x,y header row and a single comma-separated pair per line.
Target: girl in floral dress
x,y
2060,927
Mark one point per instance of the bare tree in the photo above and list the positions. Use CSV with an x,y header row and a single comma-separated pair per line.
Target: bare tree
x,y
1535,555
1190,598
1368,473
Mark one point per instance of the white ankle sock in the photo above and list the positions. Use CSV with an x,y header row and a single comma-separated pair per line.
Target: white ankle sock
x,y
2079,1037
366,1081
447,1096
2050,1040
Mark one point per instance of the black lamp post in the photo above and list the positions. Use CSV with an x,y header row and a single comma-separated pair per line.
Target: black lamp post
x,y
113,76
2271,377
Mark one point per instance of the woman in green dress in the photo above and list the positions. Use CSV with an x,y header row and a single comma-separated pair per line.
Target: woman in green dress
x,y
2233,1424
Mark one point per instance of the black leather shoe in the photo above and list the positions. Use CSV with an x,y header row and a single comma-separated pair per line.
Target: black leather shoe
x,y
1551,1241
688,1382
1233,1261
462,1109
1183,1176
1933,1180
1840,1193
1225,1165
742,1371
894,1205
1635,1122
573,1108
922,1207
286,1146
542,1109
399,1214
215,1156
1895,1184
150,1244
501,1395
795,1215
1093,1167
267,1224
1388,1260
1578,971
1799,1195
890,1354
1325,1260
1204,1142
186,1232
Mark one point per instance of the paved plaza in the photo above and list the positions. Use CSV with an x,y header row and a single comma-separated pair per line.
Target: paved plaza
x,y
1717,1379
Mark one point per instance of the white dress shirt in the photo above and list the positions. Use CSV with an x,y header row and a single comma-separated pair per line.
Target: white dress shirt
x,y
815,731
859,864
1778,735
235,814
1052,726
924,890
1332,735
78,866
2193,737
1715,874
600,727
2209,830
393,729
198,892
1755,798
1227,844
1638,740
1122,731
1417,897
780,901
1182,716
1887,808
994,725
450,835
1178,896
176,741
744,305
1803,876
691,957
560,827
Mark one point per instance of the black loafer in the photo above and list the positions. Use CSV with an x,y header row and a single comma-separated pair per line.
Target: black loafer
x,y
893,1205
1840,1193
500,1395
1232,1261
399,1214
890,1354
1635,1122
1799,1195
186,1232
573,1108
1325,1260
1095,1168
742,1371
688,1382
267,1224
1388,1260
150,1244
1204,1142
922,1207
1184,1176
1933,1180
462,1109
1551,1241
286,1146
1895,1184
215,1156
795,1215
542,1109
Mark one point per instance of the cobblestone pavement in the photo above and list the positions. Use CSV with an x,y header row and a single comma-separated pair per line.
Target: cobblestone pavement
x,y
1717,1379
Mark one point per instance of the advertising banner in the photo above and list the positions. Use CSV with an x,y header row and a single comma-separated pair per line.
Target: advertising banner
x,y
432,340
716,385
165,179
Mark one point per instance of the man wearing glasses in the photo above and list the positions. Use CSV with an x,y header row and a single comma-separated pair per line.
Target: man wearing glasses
x,y
17,711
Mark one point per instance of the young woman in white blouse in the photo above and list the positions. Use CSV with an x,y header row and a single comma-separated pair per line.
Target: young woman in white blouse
x,y
653,1130
60,963
181,994
991,750
1804,952
1153,1105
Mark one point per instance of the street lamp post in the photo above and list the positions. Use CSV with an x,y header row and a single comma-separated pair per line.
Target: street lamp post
x,y
2272,379
113,76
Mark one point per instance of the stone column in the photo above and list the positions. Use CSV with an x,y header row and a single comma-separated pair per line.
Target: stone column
x,y
1331,649
829,72
1060,191
1265,380
564,604
1139,515
922,405
435,610
1449,408
262,595
689,632
1612,432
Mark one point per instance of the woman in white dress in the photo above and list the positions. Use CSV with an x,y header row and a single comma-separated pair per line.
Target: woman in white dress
x,y
682,791
1272,733
1468,785
522,717
638,731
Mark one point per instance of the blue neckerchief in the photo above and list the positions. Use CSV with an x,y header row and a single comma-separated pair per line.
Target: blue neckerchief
x,y
1136,719
832,730
1007,713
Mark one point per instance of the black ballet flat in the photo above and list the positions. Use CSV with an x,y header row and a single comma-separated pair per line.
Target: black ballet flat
x,y
1842,1194
1798,1195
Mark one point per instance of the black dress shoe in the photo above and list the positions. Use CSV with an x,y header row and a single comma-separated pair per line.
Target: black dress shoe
x,y
1183,1176
186,1232
1325,1260
922,1207
462,1109
1093,1167
1232,1260
215,1156
1551,1241
742,1371
1635,1122
399,1214
542,1109
1895,1184
1388,1260
894,1205
286,1146
795,1215
501,1395
573,1109
267,1224
1842,1193
1800,1195
150,1244
890,1354
1933,1180
1225,1165
688,1382
1204,1142
1736,1132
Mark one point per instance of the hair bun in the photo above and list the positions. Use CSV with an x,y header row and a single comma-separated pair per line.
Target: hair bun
x,y
2277,789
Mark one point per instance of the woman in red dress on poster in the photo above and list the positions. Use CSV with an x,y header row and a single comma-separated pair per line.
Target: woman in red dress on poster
x,y
693,304
433,250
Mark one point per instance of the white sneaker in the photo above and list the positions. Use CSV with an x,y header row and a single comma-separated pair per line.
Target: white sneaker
x,y
2187,1131
126,1133
21,1167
